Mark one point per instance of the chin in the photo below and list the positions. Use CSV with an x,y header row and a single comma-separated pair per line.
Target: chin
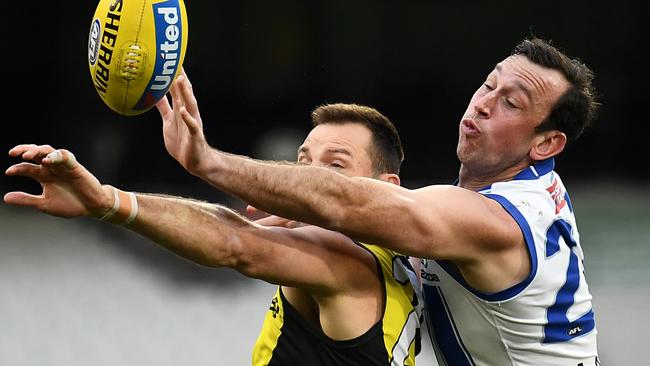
x,y
463,154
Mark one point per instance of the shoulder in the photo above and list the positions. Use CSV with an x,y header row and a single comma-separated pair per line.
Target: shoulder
x,y
530,198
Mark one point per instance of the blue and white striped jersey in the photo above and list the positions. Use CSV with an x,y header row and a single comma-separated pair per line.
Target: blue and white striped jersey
x,y
547,319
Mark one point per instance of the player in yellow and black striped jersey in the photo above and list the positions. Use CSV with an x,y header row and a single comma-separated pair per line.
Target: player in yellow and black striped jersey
x,y
340,302
288,339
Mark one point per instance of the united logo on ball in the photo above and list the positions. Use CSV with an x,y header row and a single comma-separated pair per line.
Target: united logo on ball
x,y
135,50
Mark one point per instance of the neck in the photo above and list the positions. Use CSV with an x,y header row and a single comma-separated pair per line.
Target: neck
x,y
475,180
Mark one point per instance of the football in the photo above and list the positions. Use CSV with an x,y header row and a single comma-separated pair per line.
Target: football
x,y
135,50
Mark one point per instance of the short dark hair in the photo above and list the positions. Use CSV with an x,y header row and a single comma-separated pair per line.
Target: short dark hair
x,y
576,109
386,151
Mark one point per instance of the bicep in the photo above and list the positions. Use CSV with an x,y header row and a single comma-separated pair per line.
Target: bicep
x,y
439,222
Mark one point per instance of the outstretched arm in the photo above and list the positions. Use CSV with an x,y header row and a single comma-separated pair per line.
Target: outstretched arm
x,y
442,222
433,222
208,234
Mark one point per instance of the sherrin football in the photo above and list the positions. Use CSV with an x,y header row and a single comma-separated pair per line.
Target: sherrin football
x,y
135,50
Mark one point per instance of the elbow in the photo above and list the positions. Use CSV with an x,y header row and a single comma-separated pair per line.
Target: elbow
x,y
230,254
242,258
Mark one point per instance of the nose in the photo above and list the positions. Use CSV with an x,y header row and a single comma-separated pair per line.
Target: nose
x,y
484,104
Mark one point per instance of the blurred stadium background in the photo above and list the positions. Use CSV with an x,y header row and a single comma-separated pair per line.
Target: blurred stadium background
x,y
76,292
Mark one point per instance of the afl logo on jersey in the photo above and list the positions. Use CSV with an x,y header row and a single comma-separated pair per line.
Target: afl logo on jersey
x,y
574,331
93,41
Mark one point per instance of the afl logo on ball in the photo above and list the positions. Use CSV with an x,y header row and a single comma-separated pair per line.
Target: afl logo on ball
x,y
93,41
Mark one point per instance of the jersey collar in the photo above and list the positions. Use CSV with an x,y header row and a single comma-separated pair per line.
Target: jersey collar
x,y
534,171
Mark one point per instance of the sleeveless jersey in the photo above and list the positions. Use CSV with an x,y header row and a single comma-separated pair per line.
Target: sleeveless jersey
x,y
287,339
547,319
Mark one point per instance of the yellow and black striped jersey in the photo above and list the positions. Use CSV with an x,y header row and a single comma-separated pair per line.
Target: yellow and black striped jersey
x,y
287,339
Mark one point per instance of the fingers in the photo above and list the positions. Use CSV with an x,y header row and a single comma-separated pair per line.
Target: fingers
x,y
252,211
188,95
20,149
183,94
43,154
277,222
22,199
184,102
272,221
177,96
163,106
24,169
192,124
61,156
31,152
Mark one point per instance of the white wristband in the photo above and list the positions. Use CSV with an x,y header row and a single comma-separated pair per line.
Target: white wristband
x,y
134,208
116,206
124,210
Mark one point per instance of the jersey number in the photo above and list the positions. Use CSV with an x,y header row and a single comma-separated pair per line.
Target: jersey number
x,y
558,328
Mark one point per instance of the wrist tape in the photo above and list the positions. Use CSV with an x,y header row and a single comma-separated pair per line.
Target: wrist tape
x,y
124,210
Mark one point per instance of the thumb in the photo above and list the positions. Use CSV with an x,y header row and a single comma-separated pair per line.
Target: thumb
x,y
22,199
163,107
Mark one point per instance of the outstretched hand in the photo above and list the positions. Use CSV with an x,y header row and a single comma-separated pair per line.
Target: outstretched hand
x,y
182,125
69,189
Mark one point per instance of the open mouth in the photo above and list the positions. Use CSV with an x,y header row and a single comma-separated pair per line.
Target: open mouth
x,y
469,127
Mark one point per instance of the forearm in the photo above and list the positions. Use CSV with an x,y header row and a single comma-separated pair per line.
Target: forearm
x,y
201,232
214,235
364,209
308,194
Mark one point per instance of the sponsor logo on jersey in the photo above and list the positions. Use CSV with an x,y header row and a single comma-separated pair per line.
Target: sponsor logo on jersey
x,y
168,47
104,54
429,276
557,194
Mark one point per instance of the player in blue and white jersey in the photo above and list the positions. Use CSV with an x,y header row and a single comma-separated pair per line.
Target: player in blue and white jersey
x,y
544,318
503,272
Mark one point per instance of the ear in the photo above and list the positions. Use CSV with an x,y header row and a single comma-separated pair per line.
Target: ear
x,y
547,144
390,178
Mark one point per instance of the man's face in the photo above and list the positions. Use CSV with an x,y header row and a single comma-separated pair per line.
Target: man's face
x,y
341,147
498,127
